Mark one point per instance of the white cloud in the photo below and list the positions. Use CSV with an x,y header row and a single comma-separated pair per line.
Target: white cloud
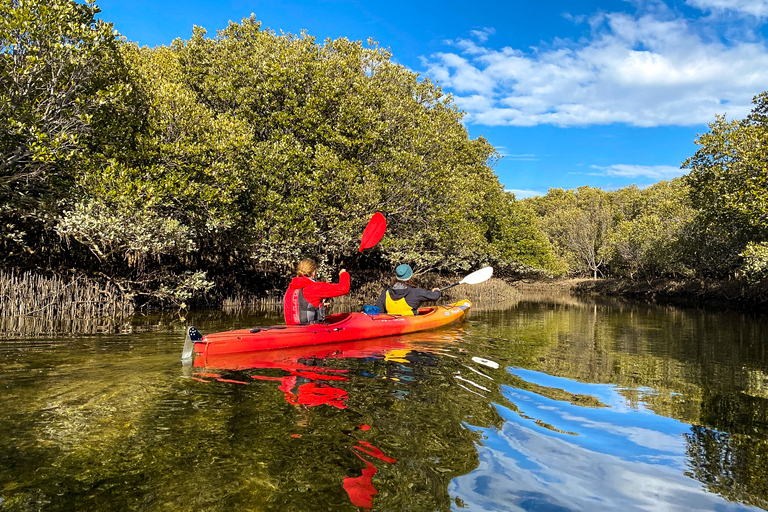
x,y
504,153
482,35
522,194
647,69
460,74
757,8
655,172
475,102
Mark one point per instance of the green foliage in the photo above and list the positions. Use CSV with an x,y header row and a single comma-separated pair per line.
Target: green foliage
x,y
650,239
729,171
755,266
729,186
64,91
339,131
237,154
577,222
629,233
135,236
519,246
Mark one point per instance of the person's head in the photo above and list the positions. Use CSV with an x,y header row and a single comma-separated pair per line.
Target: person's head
x,y
306,268
403,272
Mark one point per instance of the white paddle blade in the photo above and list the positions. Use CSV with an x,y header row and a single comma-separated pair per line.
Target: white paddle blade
x,y
478,276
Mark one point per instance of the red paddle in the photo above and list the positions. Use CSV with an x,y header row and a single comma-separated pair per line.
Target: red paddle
x,y
373,233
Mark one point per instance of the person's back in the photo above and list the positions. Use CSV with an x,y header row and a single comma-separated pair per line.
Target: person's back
x,y
403,299
303,301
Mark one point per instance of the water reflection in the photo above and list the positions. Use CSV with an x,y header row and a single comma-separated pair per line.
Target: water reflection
x,y
553,404
306,377
684,395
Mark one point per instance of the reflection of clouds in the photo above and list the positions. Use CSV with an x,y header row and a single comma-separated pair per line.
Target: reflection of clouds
x,y
618,430
631,436
641,436
523,468
606,393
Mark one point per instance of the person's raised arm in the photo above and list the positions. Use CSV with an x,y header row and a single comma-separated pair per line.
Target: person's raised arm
x,y
327,290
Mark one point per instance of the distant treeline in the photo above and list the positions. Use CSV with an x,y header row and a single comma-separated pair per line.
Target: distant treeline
x,y
709,224
196,171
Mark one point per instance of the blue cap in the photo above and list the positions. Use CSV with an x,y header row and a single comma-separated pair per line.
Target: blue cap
x,y
403,272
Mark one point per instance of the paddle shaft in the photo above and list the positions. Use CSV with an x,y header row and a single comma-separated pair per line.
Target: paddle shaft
x,y
353,261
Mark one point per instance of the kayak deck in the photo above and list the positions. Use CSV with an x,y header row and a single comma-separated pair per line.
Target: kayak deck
x,y
336,328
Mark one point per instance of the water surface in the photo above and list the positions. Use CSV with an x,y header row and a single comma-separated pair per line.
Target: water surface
x,y
554,404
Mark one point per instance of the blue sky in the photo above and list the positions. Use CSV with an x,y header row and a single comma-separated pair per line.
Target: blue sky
x,y
605,93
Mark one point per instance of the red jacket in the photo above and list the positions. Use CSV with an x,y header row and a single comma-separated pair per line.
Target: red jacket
x,y
314,292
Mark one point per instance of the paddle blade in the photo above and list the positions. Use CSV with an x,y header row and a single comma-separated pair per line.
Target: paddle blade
x,y
374,231
191,337
478,276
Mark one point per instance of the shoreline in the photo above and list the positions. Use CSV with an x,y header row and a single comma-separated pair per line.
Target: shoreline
x,y
31,295
733,295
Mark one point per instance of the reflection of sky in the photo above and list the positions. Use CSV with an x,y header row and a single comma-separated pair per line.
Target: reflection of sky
x,y
605,392
621,458
619,429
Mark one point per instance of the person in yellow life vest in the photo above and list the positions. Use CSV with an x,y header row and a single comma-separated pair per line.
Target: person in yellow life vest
x,y
403,299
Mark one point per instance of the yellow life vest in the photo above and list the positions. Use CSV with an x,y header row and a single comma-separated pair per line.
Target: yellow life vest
x,y
398,307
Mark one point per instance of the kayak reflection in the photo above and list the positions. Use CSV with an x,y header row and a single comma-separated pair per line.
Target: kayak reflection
x,y
360,489
312,378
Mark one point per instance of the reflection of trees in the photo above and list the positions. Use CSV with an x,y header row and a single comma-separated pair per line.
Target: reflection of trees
x,y
732,465
730,457
113,435
677,353
703,368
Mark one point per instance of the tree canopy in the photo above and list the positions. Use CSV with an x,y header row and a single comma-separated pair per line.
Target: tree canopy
x,y
219,157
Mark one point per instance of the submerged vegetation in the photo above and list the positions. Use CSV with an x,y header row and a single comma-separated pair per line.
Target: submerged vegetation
x,y
204,170
31,294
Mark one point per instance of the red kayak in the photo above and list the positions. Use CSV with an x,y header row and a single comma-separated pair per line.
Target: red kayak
x,y
336,328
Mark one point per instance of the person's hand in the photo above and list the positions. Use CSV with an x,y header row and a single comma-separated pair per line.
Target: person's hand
x,y
342,271
435,289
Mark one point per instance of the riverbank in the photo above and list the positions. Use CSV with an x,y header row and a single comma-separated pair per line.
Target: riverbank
x,y
28,294
31,296
736,295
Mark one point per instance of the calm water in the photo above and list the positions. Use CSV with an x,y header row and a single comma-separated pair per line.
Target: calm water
x,y
554,404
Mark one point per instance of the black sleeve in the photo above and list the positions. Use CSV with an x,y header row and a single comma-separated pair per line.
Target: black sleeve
x,y
382,302
418,295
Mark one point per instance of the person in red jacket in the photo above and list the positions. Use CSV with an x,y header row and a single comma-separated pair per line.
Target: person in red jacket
x,y
303,302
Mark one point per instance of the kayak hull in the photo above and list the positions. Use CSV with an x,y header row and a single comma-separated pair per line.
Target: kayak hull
x,y
338,327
